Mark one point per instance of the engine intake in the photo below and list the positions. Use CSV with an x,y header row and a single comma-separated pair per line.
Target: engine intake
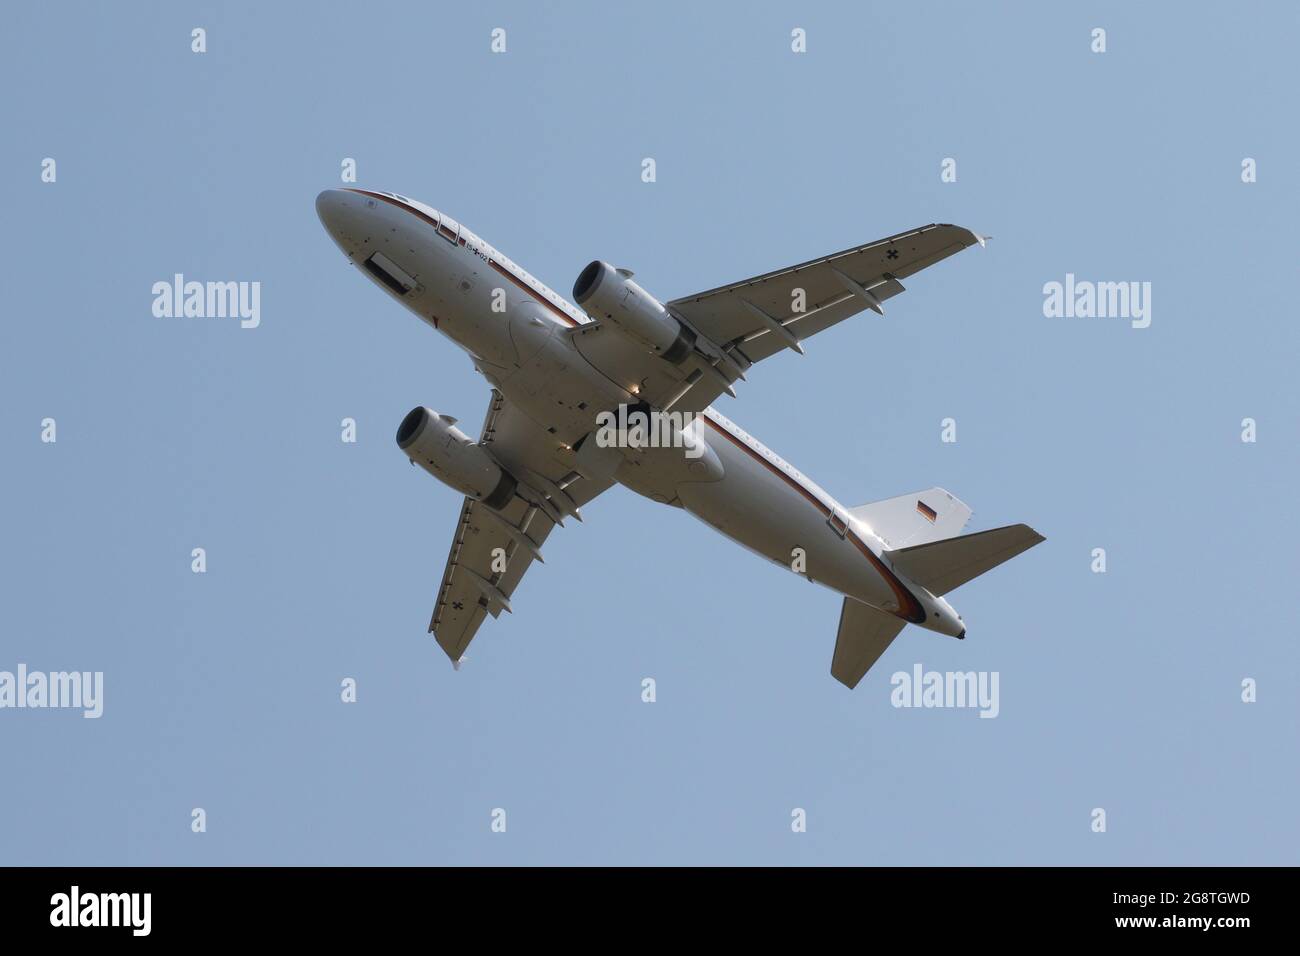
x,y
609,293
433,442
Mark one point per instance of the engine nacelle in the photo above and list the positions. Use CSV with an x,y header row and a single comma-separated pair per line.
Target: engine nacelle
x,y
609,293
434,443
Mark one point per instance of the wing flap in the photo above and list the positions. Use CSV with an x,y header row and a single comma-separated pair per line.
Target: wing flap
x,y
762,344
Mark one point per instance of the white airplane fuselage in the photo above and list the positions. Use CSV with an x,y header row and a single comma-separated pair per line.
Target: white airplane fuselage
x,y
519,334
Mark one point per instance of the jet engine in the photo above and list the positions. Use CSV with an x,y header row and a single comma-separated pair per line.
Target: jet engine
x,y
433,442
609,293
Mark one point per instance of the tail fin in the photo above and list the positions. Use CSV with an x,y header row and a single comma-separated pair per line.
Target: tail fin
x,y
865,633
914,519
942,566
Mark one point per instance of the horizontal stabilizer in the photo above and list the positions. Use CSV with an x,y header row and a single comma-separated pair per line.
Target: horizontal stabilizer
x,y
914,519
864,635
942,566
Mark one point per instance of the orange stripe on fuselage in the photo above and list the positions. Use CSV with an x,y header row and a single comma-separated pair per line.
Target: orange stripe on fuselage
x,y
906,600
394,202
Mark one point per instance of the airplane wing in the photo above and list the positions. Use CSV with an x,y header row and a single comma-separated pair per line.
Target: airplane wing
x,y
756,318
471,586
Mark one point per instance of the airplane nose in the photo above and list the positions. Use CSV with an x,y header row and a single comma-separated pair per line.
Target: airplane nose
x,y
341,216
329,207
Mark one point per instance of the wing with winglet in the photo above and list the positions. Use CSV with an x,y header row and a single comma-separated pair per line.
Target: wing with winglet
x,y
759,317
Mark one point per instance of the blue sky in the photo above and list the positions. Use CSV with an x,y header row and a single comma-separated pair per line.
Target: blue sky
x,y
1119,690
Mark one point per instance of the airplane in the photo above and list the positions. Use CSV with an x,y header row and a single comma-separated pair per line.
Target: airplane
x,y
556,366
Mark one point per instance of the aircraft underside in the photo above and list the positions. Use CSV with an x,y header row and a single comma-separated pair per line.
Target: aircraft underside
x,y
560,374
